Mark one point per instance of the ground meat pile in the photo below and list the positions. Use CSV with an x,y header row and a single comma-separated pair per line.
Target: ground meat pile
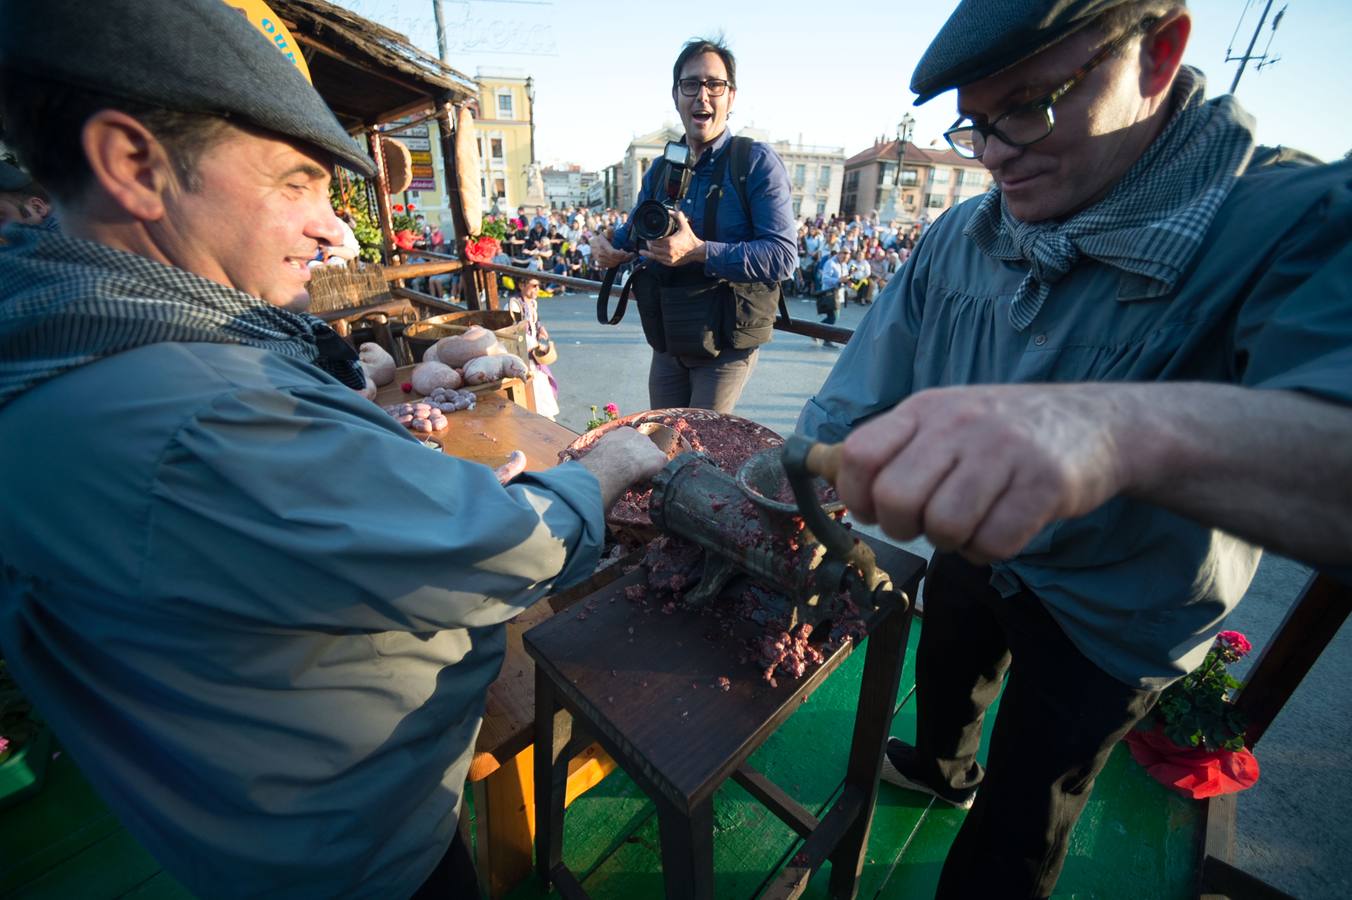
x,y
758,616
728,441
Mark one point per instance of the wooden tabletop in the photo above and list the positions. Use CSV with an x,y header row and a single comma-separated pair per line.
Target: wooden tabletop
x,y
649,680
494,428
487,434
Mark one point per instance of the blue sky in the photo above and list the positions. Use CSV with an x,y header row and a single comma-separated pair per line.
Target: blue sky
x,y
602,70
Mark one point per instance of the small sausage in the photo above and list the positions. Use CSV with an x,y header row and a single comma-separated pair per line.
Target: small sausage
x,y
514,466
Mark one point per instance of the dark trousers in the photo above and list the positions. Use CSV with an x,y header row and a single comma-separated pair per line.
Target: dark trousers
x,y
454,877
1058,721
700,383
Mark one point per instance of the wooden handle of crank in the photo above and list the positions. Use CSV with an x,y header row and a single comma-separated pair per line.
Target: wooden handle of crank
x,y
824,460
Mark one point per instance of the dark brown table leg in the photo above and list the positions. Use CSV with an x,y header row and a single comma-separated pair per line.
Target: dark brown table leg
x,y
872,720
687,851
553,727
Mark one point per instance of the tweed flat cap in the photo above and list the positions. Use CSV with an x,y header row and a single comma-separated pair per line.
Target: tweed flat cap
x,y
195,56
12,178
983,37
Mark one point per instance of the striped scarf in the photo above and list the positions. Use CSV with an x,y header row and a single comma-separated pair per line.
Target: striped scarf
x,y
1153,220
66,302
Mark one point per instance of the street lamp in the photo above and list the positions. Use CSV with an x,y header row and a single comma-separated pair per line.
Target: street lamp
x,y
530,100
904,129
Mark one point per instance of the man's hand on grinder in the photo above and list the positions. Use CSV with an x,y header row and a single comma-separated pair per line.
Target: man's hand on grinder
x,y
677,249
621,458
606,255
981,470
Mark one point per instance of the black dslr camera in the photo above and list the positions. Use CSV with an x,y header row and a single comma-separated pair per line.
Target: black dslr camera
x,y
656,219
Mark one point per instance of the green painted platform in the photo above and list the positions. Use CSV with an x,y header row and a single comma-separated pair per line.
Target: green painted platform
x,y
1135,839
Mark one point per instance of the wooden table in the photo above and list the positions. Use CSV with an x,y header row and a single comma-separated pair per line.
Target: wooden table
x,y
646,686
501,772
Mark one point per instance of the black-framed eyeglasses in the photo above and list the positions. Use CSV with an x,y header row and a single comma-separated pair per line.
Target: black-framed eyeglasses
x,y
716,87
1031,122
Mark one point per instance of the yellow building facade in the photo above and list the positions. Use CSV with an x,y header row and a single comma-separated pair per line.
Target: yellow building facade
x,y
503,129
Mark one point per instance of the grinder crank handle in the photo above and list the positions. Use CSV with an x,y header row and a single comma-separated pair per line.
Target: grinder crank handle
x,y
802,458
824,460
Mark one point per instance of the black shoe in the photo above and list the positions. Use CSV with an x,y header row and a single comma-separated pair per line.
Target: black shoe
x,y
900,759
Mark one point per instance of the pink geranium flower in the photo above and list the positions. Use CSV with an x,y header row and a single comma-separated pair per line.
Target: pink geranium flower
x,y
612,409
1236,642
4,745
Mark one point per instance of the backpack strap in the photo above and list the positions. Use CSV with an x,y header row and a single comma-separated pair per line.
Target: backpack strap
x,y
741,168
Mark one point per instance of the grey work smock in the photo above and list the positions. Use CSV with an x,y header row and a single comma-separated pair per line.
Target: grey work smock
x,y
260,616
1267,303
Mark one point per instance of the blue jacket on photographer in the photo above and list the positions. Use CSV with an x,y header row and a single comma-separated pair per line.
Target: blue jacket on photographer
x,y
764,249
715,229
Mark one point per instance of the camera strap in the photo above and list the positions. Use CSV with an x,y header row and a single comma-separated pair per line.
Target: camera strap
x,y
603,298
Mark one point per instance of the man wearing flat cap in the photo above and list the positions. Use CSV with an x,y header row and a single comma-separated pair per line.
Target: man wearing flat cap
x,y
260,616
1109,380
22,200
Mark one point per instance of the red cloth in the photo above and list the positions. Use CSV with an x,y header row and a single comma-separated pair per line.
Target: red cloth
x,y
1192,771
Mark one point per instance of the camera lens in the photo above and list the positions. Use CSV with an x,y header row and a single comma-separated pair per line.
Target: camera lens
x,y
653,221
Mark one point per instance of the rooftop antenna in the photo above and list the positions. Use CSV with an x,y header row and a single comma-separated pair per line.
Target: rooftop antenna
x,y
1264,59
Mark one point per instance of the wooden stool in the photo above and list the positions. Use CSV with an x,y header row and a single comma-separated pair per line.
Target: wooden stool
x,y
645,687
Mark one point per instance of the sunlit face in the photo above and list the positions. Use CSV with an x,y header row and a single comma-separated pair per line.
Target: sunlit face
x,y
530,289
703,116
16,208
261,212
1086,153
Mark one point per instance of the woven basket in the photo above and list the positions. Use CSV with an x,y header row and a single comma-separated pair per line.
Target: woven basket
x,y
506,325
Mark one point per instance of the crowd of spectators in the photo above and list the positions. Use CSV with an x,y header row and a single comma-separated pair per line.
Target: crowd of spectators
x,y
874,252
558,242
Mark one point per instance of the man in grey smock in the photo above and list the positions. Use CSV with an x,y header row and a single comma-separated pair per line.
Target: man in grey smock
x,y
1092,536
257,612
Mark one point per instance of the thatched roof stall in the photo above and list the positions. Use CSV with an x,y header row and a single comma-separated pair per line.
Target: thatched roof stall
x,y
367,73
370,75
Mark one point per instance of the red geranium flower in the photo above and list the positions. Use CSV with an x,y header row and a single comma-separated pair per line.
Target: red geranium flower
x,y
398,207
482,249
411,207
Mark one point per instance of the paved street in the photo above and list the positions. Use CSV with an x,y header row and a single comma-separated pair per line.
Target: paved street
x,y
1292,829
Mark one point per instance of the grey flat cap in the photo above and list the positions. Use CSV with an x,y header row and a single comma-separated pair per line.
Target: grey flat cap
x,y
12,178
983,37
197,56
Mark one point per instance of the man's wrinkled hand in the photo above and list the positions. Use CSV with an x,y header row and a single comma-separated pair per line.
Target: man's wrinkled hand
x,y
981,470
678,248
606,255
621,458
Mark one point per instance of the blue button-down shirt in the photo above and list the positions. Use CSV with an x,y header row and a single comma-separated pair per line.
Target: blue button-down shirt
x,y
764,249
1140,590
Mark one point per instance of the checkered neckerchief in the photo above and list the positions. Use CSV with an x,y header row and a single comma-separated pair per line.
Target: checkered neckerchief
x,y
1153,220
65,302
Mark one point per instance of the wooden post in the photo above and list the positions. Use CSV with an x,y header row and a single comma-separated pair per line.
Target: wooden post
x,y
382,196
469,292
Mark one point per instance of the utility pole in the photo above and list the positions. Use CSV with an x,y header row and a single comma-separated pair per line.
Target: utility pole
x,y
441,31
1248,54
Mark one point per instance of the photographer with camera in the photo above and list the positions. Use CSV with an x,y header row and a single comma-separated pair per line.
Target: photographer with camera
x,y
715,230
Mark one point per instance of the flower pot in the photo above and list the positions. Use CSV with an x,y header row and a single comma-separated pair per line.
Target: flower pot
x,y
1194,772
23,771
